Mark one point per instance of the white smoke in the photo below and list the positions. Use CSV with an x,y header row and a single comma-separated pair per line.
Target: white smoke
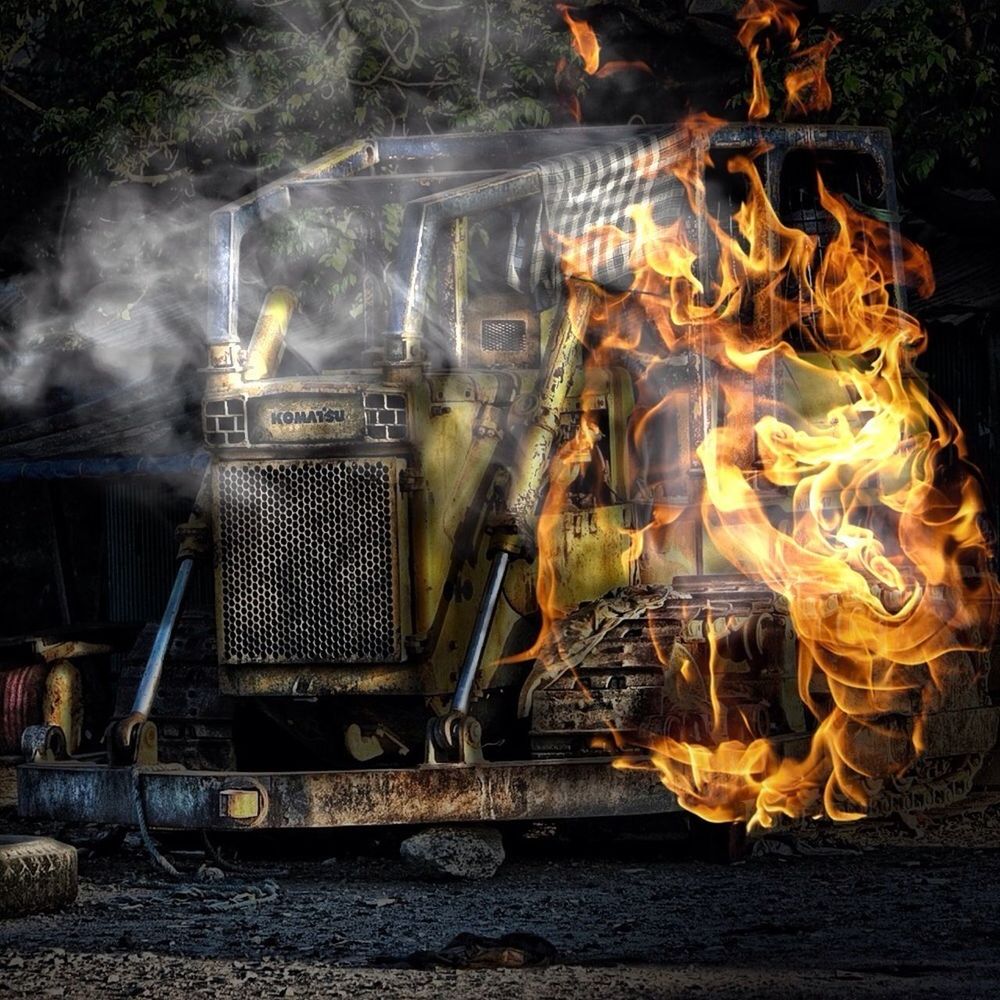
x,y
118,312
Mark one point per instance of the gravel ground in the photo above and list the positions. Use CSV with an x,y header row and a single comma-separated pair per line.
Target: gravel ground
x,y
628,919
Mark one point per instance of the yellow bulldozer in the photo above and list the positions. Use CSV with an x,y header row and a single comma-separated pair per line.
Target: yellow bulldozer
x,y
409,624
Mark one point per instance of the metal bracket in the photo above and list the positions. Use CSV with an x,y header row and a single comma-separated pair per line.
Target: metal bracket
x,y
454,738
43,743
132,740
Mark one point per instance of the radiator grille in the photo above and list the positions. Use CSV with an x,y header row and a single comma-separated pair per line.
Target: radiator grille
x,y
308,568
505,335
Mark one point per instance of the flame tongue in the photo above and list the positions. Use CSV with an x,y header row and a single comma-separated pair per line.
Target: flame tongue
x,y
757,17
806,86
588,48
761,23
584,40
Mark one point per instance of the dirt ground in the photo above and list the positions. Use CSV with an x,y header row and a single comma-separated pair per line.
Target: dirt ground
x,y
894,909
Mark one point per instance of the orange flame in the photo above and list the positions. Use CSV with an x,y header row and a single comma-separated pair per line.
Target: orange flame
x,y
757,17
585,42
574,457
587,47
806,86
619,65
881,560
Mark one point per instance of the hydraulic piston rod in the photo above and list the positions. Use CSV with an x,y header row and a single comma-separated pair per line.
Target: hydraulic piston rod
x,y
142,704
145,695
484,618
193,540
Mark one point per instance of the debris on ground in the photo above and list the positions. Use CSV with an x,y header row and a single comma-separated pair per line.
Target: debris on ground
x,y
473,951
786,845
973,823
227,895
622,919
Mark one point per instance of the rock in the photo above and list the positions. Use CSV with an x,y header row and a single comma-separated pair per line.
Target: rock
x,y
444,852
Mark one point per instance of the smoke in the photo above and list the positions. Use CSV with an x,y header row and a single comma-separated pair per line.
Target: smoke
x,y
110,316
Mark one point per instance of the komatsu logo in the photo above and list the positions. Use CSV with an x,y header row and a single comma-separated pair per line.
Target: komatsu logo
x,y
327,415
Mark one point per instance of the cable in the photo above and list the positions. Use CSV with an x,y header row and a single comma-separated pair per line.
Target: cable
x,y
155,854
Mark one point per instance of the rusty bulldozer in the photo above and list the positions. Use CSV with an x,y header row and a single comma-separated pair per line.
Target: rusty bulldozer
x,y
370,515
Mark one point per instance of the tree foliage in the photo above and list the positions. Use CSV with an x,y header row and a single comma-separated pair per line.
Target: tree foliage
x,y
152,91
181,97
928,70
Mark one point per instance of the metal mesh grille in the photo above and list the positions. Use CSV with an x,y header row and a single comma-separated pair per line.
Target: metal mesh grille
x,y
503,334
308,570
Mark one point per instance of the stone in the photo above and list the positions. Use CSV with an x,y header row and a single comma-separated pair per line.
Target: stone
x,y
454,852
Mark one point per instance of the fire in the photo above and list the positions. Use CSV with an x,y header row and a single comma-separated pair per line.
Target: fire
x,y
585,42
877,552
573,458
881,557
588,48
758,17
761,23
806,86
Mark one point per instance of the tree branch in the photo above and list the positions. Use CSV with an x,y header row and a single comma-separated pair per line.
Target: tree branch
x,y
486,50
21,99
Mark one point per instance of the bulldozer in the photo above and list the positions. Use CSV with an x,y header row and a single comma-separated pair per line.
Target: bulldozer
x,y
377,460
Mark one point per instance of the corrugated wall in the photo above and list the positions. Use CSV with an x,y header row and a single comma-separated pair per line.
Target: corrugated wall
x,y
140,516
962,368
